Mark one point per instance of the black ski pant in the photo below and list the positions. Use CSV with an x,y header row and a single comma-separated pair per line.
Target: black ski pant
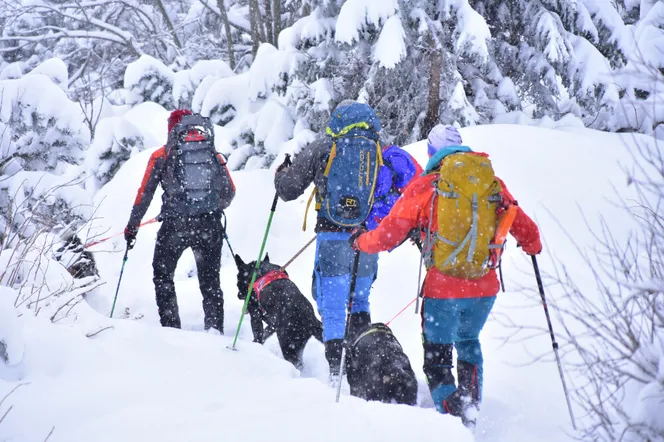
x,y
204,235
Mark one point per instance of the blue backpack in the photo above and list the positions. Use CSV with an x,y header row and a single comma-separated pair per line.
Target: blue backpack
x,y
398,169
352,166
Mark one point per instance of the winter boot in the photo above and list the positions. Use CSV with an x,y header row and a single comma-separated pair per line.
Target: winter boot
x,y
333,349
357,323
170,316
469,391
215,322
438,370
465,402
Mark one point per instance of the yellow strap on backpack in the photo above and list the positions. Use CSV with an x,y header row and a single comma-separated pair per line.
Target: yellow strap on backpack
x,y
333,153
306,210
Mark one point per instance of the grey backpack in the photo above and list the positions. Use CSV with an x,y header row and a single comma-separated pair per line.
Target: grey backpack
x,y
197,180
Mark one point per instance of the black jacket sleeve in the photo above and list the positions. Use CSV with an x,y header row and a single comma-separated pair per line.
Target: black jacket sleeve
x,y
151,180
292,181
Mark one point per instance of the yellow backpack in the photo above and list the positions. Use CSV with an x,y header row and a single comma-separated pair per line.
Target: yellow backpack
x,y
468,196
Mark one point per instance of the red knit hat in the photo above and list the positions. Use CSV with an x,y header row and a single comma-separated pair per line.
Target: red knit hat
x,y
176,116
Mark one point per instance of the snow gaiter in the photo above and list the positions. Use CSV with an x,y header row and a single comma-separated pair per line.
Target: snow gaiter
x,y
333,355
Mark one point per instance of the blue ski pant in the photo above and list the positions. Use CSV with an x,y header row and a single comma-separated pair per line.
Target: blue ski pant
x,y
457,322
331,281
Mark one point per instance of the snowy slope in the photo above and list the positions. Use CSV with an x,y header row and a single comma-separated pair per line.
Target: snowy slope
x,y
139,382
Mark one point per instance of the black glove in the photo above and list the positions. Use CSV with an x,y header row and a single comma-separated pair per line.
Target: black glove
x,y
287,162
354,235
130,233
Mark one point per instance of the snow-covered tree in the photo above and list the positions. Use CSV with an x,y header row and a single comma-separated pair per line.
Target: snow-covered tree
x,y
418,62
616,329
115,140
43,135
40,128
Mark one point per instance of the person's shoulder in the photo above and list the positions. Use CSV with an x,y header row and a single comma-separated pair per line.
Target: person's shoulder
x,y
420,184
159,153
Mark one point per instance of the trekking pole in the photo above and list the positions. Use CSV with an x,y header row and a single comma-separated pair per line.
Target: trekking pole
x,y
229,243
423,250
258,264
419,281
226,236
117,290
349,309
540,286
299,252
500,275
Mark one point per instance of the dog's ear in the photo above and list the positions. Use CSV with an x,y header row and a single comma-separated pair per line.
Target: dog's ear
x,y
267,258
238,261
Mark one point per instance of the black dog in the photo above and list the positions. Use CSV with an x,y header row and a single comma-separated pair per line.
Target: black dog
x,y
378,369
277,301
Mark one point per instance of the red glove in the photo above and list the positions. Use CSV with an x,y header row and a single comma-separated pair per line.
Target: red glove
x,y
532,249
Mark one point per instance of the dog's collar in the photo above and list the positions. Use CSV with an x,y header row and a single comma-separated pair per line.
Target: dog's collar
x,y
267,279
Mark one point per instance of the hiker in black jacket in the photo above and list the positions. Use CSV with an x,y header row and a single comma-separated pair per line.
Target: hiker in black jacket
x,y
197,189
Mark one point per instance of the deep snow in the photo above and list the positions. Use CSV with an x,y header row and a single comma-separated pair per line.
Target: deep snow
x,y
139,382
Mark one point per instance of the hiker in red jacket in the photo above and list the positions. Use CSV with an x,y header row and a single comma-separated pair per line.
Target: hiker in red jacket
x,y
197,189
460,206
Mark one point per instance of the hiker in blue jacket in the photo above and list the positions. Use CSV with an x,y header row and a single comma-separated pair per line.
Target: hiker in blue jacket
x,y
352,189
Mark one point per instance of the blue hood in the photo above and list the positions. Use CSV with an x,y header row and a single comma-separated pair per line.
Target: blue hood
x,y
435,160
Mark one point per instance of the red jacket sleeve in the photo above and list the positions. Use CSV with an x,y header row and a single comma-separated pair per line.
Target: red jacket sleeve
x,y
524,229
407,214
151,179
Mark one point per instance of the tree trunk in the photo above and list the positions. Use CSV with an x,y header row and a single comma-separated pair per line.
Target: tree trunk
x,y
169,23
254,27
227,28
276,12
268,22
433,99
257,29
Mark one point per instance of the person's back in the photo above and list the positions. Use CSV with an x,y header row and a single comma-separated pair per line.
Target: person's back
x,y
197,189
456,203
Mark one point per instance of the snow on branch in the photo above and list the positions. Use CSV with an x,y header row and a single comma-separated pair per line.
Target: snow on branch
x,y
390,48
356,15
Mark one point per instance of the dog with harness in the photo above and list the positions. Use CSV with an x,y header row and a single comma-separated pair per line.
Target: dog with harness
x,y
378,369
277,301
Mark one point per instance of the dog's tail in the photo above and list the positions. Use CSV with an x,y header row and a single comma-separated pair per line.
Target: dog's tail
x,y
317,330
